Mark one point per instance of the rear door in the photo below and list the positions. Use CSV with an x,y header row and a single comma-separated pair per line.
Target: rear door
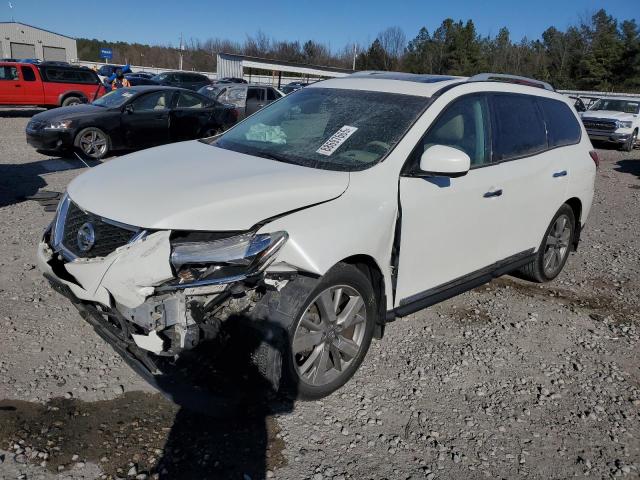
x,y
10,85
256,98
31,85
451,227
148,123
536,176
189,117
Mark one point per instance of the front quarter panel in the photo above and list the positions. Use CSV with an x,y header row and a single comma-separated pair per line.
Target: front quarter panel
x,y
360,222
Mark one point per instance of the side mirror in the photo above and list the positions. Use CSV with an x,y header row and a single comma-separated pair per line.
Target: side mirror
x,y
129,108
443,161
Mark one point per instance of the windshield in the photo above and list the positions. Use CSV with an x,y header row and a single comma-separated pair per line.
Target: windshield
x,y
326,128
616,105
115,98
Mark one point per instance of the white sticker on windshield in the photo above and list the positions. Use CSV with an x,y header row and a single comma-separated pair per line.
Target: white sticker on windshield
x,y
337,139
127,94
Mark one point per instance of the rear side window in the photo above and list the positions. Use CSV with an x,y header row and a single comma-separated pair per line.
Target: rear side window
x,y
70,75
271,94
562,124
28,75
8,73
519,129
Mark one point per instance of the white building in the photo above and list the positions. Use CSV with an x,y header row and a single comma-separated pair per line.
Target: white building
x,y
19,40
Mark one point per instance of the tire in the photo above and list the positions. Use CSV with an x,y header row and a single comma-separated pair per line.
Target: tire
x,y
631,143
71,100
93,143
279,357
554,249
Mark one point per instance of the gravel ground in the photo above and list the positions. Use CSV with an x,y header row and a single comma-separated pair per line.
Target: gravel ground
x,y
510,380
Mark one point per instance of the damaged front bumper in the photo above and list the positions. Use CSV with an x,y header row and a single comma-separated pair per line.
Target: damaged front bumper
x,y
131,299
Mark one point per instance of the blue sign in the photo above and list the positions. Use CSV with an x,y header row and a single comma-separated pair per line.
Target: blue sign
x,y
106,53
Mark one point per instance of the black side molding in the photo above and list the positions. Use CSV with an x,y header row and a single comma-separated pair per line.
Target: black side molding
x,y
460,285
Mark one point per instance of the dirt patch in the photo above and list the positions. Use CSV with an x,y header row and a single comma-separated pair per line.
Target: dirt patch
x,y
601,304
139,430
469,316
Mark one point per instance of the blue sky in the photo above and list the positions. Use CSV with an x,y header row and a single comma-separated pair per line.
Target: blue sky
x,y
329,21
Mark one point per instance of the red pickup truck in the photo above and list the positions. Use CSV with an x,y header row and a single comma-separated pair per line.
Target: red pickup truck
x,y
47,85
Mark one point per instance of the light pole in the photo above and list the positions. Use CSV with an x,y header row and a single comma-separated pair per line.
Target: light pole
x,y
181,48
355,54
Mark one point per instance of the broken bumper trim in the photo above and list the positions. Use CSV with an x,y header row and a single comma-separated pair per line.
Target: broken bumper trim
x,y
181,393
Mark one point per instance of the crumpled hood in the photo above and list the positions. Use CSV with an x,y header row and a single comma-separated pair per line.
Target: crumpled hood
x,y
195,186
608,114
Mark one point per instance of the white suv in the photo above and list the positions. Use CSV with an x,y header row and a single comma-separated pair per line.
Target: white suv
x,y
322,217
614,120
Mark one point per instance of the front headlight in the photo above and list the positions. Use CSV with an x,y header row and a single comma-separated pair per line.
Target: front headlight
x,y
241,255
622,124
61,125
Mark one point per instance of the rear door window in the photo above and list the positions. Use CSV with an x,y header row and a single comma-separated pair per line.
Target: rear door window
x,y
562,124
518,129
255,94
272,94
187,100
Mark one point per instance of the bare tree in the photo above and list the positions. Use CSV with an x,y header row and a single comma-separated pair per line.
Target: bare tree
x,y
393,41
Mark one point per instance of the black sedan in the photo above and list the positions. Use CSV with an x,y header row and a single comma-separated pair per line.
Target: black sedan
x,y
129,118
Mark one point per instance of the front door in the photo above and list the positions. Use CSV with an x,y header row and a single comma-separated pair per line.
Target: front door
x,y
147,122
451,227
31,89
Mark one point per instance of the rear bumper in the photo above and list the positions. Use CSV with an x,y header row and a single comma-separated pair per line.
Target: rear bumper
x,y
50,140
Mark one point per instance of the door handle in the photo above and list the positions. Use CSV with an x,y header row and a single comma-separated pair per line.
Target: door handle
x,y
562,173
493,193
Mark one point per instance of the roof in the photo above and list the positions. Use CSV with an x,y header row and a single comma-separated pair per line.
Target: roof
x,y
277,65
406,77
37,28
408,85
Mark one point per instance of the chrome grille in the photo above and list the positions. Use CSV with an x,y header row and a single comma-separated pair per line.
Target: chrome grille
x,y
600,124
108,236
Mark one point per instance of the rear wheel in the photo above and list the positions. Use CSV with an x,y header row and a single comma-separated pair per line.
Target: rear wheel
x,y
93,143
73,100
554,249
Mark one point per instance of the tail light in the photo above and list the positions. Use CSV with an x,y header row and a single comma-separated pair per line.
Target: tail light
x,y
594,156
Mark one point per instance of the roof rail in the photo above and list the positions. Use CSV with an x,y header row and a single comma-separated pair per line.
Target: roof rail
x,y
502,77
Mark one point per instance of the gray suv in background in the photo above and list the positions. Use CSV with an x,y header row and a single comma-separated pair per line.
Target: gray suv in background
x,y
247,98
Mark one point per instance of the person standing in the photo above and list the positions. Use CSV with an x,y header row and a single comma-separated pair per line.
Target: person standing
x,y
120,81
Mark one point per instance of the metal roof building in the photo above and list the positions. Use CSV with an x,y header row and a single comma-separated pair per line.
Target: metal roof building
x,y
232,65
19,40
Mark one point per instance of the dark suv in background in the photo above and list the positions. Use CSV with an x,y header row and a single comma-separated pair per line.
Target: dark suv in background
x,y
190,80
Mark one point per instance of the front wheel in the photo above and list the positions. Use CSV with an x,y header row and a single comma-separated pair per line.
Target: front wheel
x,y
72,100
93,143
631,142
554,249
329,328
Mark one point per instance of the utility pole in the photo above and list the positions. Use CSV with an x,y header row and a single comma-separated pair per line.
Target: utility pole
x,y
355,54
181,48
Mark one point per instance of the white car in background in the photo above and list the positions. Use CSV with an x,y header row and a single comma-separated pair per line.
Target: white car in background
x,y
614,120
327,214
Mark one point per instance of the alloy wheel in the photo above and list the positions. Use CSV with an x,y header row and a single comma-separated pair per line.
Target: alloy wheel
x,y
329,335
557,245
93,143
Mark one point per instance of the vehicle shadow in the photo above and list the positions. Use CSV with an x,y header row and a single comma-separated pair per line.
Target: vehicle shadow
x,y
20,113
629,166
18,181
224,428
